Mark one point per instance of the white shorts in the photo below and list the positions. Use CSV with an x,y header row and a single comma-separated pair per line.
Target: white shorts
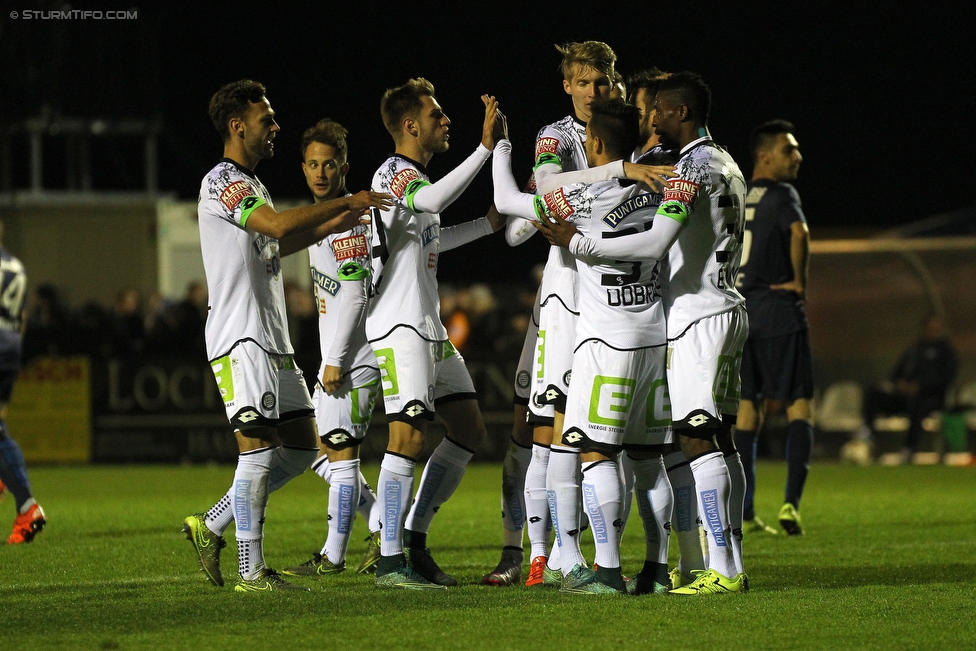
x,y
618,399
416,374
552,368
523,374
343,417
260,389
703,369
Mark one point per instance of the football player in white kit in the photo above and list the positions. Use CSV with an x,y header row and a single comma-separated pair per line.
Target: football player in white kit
x,y
243,238
618,396
348,377
419,367
698,227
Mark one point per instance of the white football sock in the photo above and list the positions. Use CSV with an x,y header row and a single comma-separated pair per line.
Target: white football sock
x,y
601,496
563,489
395,487
655,502
221,514
536,504
321,468
712,486
625,470
367,503
287,463
344,491
513,493
441,477
737,495
684,519
250,502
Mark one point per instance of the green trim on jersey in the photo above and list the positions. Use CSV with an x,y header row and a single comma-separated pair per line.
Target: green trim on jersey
x,y
541,212
547,158
412,188
248,205
676,210
352,270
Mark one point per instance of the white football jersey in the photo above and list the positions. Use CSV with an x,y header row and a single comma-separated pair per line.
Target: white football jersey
x,y
243,267
406,245
620,303
561,143
708,195
341,257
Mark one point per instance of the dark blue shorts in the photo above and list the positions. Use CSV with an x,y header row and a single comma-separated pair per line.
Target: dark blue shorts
x,y
777,368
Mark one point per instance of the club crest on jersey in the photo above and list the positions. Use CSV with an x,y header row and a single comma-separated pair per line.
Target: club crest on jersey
x,y
328,284
353,246
557,205
274,265
680,190
546,146
234,193
618,214
430,234
400,181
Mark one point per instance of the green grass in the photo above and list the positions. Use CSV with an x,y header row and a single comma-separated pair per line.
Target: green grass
x,y
887,563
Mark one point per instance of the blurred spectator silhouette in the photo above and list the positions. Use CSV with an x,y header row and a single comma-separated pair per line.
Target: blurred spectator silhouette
x,y
917,385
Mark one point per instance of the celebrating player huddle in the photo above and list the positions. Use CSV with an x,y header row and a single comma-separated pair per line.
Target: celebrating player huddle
x,y
629,384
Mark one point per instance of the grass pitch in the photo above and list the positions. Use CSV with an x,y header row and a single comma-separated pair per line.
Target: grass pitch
x,y
888,562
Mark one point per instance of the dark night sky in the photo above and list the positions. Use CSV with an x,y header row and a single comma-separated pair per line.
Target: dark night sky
x,y
878,95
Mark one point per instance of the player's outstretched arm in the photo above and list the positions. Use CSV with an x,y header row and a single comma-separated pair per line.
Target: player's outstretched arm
x,y
655,177
435,197
508,199
518,231
332,216
652,244
454,236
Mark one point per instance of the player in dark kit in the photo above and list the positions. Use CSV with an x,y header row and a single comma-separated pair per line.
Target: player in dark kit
x,y
777,371
13,471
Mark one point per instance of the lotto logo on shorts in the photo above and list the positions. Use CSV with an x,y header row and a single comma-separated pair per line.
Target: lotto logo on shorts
x,y
680,190
610,400
247,416
337,438
546,146
234,193
572,438
399,183
709,500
